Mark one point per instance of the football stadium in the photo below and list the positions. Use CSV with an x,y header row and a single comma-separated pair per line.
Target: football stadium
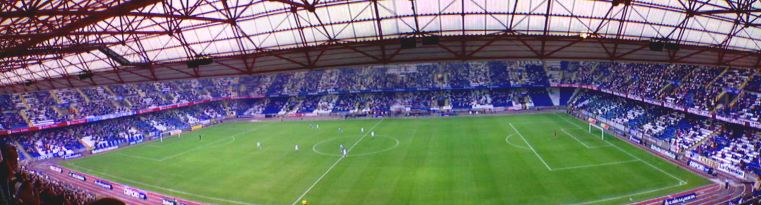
x,y
311,102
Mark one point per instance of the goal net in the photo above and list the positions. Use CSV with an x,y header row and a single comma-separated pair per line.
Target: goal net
x,y
595,129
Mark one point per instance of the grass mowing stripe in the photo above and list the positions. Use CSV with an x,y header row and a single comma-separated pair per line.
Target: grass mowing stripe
x,y
162,188
531,147
335,163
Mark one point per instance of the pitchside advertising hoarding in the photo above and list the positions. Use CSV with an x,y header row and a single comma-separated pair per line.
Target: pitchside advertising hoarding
x,y
680,199
171,202
701,167
635,140
104,184
72,156
731,169
134,193
96,151
663,151
56,169
77,176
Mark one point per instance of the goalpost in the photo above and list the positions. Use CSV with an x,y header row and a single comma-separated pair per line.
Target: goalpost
x,y
593,123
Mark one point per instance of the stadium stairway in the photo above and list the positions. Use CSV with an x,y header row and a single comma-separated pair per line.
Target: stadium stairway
x,y
540,98
54,94
665,90
718,77
24,102
720,96
704,140
22,150
163,97
140,92
718,100
87,98
62,113
669,89
566,94
734,101
595,68
242,88
87,145
741,94
108,90
26,118
554,95
747,81
231,90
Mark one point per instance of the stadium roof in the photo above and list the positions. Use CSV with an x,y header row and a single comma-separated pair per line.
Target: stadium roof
x,y
54,41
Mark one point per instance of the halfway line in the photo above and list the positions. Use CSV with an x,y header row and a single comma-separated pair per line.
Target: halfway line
x,y
335,163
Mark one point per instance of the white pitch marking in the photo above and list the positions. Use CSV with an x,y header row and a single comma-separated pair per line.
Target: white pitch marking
x,y
648,163
531,147
577,139
334,164
632,194
631,155
569,121
162,188
507,140
396,144
213,143
595,165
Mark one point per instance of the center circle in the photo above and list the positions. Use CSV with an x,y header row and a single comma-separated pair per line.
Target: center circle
x,y
378,144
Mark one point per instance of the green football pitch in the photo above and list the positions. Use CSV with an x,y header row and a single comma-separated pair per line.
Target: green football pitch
x,y
513,159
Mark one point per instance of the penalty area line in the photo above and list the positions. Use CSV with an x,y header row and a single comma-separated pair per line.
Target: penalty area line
x,y
335,163
595,165
681,181
531,147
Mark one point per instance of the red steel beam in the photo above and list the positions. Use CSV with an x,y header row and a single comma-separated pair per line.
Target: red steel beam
x,y
84,33
21,14
304,4
119,10
728,11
